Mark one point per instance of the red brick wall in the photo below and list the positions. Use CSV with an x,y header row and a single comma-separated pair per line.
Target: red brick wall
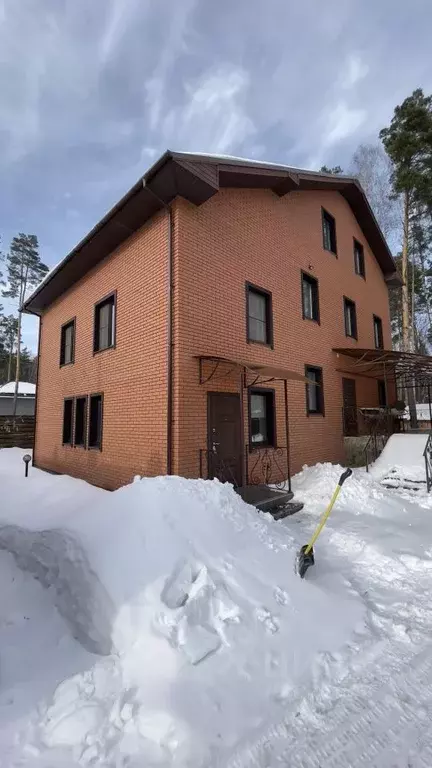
x,y
248,235
132,376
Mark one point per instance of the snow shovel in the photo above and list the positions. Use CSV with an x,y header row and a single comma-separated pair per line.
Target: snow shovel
x,y
305,557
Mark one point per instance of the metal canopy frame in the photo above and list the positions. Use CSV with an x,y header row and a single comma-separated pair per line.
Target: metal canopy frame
x,y
407,369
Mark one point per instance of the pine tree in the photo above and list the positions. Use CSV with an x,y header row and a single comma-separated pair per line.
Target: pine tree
x,y
335,170
24,271
408,143
8,336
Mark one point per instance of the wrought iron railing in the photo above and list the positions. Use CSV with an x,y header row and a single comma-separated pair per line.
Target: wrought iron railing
x,y
268,465
373,448
427,453
227,469
368,421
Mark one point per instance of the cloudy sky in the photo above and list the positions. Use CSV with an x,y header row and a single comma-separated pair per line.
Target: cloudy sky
x,y
92,91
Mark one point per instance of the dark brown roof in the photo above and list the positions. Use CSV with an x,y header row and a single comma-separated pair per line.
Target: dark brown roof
x,y
197,178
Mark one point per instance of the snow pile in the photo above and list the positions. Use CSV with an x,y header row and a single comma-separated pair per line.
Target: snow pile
x,y
402,456
192,594
215,653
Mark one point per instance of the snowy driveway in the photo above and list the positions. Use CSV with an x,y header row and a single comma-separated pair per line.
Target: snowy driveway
x,y
221,656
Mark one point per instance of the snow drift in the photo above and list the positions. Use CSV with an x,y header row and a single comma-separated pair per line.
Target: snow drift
x,y
192,597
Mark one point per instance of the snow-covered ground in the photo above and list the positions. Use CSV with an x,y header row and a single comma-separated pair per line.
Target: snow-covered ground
x,y
166,625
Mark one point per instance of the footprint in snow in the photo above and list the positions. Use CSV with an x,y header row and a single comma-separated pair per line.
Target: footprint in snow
x,y
281,596
271,623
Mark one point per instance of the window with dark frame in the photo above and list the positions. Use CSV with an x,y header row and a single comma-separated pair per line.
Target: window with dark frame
x,y
310,297
80,420
95,422
259,315
104,324
67,421
262,428
329,231
359,260
378,332
350,318
382,394
314,390
67,343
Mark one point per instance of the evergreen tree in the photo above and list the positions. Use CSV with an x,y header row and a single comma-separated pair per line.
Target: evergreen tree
x,y
408,143
8,337
24,271
335,170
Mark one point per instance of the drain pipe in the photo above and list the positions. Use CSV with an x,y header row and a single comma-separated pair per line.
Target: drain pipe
x,y
170,361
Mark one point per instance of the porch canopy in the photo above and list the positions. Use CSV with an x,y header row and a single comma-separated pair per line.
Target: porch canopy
x,y
407,369
262,373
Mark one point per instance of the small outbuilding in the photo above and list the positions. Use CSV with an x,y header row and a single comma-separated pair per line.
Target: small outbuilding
x,y
26,398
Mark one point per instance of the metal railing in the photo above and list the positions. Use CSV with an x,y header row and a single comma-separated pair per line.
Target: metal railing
x,y
427,453
373,448
367,421
268,465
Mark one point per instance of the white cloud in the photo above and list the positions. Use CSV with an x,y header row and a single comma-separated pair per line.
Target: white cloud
x,y
341,122
355,70
215,117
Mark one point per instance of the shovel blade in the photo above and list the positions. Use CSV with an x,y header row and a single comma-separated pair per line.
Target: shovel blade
x,y
304,560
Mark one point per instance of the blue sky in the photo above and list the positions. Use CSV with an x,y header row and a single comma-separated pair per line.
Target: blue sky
x,y
92,91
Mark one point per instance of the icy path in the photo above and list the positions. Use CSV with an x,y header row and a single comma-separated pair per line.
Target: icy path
x,y
370,705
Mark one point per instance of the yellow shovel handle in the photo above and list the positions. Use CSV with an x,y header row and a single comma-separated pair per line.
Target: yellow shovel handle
x,y
323,520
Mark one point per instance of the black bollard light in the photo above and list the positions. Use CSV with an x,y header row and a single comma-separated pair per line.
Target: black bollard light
x,y
26,460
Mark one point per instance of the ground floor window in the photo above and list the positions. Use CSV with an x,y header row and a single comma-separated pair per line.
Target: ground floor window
x,y
314,390
95,422
382,394
67,421
262,428
80,420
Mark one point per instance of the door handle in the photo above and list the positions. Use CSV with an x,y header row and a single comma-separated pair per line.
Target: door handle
x,y
214,447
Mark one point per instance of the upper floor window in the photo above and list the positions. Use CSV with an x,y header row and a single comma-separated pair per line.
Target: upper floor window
x,y
67,343
314,390
104,323
259,315
359,260
378,333
350,318
329,231
261,417
310,299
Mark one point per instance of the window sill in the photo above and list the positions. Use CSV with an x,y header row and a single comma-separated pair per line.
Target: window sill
x,y
104,349
257,446
315,413
63,365
311,320
94,448
328,250
67,445
363,277
261,343
354,338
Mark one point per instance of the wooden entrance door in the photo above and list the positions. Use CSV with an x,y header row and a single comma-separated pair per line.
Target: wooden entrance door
x,y
224,441
350,423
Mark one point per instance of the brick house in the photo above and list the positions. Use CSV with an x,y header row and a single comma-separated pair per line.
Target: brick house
x,y
193,331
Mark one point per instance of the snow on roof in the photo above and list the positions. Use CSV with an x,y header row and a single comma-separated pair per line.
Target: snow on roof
x,y
423,413
24,388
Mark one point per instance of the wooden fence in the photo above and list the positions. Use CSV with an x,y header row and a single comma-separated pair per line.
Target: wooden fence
x,y
17,432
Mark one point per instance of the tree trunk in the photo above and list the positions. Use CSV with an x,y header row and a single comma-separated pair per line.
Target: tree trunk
x,y
9,371
17,372
410,391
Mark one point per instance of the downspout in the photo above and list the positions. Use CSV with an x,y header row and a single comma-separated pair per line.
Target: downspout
x,y
170,356
37,384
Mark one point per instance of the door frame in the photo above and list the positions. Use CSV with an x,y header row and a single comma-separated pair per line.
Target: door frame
x,y
355,421
239,396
